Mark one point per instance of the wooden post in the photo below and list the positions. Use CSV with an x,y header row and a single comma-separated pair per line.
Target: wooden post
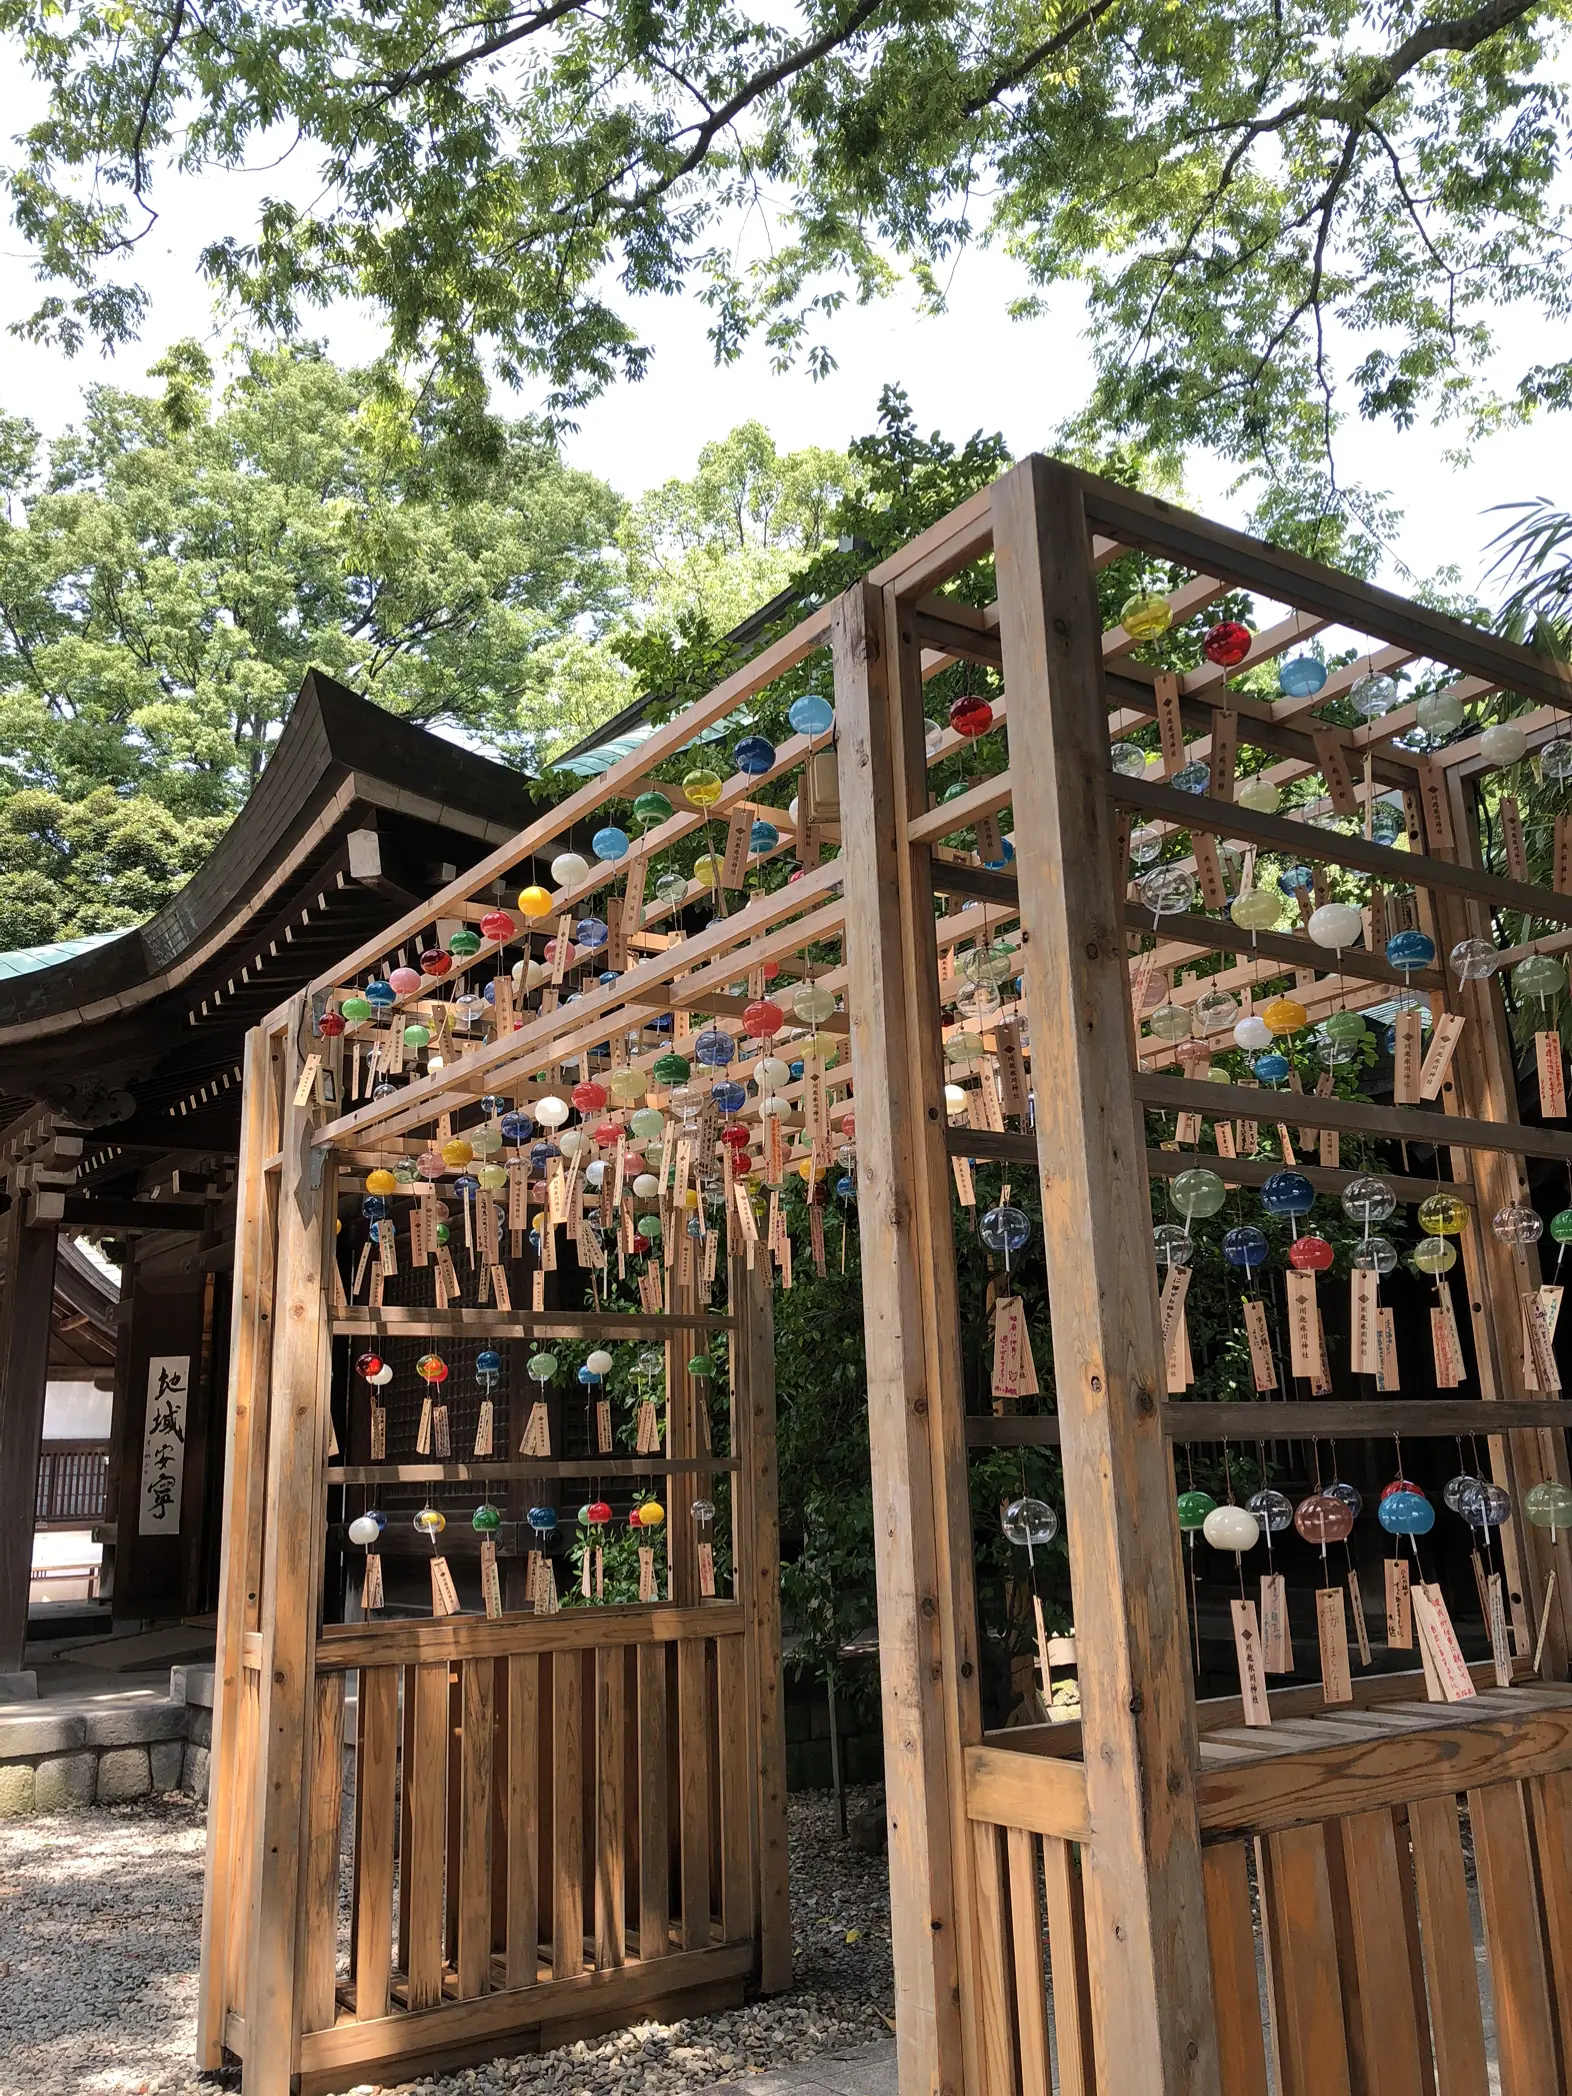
x,y
25,1303
921,1521
291,1580
756,1557
245,1437
1151,1986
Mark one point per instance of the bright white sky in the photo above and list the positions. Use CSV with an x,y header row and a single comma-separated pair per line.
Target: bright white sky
x,y
971,367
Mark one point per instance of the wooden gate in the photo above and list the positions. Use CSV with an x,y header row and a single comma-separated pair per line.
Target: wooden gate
x,y
1159,1898
432,1839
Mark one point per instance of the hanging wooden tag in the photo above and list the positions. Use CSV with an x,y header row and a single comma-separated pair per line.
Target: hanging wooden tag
x,y
993,1112
1304,1342
1438,1638
444,1595
603,1426
1539,1363
485,1427
1500,1643
1277,1651
1285,1142
1333,765
448,1272
1550,1306
745,1214
816,1238
1552,1075
308,1078
1262,1367
734,860
1332,1627
1321,1381
441,1443
1329,1149
1356,1602
1012,1068
1014,1372
633,896
1249,1137
1171,1318
1544,1621
548,1244
340,1300
1209,870
1223,1136
361,1265
1561,854
1170,722
1376,925
1433,803
1224,753
374,1296
1407,1059
990,839
546,1598
1399,1606
1443,1046
647,1440
646,1573
1386,1351
1363,1322
1512,838
815,1106
707,1571
371,1584
490,1583
1252,1670
537,1431
419,1235
1445,1345
423,1431
1140,982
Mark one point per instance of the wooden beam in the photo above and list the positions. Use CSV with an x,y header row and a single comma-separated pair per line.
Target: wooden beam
x,y
914,1558
229,1807
1278,1420
1198,811
1150,1973
1520,1732
295,1511
1035,1791
1219,935
1406,1124
421,1642
1215,549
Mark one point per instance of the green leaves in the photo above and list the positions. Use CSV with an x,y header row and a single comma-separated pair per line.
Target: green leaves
x,y
1280,215
170,569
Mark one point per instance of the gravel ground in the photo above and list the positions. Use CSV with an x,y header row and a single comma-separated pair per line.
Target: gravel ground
x,y
100,1914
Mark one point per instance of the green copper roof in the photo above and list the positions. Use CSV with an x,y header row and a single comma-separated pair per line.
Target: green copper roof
x,y
24,960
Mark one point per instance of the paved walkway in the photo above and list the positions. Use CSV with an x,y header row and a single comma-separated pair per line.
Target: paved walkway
x,y
867,2072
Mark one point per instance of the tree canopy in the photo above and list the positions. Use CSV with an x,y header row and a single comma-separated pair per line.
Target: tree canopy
x,y
1260,200
171,568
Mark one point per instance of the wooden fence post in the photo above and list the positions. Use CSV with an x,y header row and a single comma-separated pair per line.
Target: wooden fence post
x,y
757,1551
922,1530
291,1588
1145,1912
228,1815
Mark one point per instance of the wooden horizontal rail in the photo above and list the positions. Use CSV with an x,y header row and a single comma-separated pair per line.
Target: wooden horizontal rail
x,y
1279,1420
421,2040
412,1321
1220,935
1285,1420
1007,1146
985,798
417,1639
1215,549
1405,1124
480,1473
1399,869
1062,1742
1515,1734
1039,1792
1133,686
1255,1171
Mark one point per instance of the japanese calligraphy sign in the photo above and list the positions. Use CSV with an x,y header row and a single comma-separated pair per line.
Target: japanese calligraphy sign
x,y
164,1444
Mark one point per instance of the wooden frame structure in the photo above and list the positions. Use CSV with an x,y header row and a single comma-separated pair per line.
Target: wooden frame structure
x,y
1167,1855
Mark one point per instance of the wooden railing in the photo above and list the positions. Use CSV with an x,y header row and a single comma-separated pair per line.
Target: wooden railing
x,y
1344,1950
71,1486
549,1817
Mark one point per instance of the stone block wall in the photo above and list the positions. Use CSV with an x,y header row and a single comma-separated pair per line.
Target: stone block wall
x,y
59,1757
